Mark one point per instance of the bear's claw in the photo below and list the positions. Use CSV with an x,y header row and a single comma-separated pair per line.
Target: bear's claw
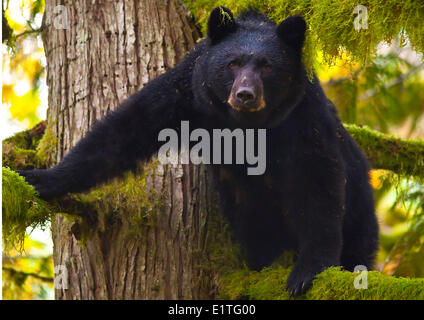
x,y
300,281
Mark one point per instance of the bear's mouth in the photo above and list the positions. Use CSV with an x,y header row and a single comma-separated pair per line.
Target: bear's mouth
x,y
252,106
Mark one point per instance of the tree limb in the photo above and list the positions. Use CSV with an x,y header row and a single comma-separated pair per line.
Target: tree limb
x,y
14,272
402,156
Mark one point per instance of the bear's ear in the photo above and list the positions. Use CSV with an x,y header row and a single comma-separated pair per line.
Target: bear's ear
x,y
292,31
221,23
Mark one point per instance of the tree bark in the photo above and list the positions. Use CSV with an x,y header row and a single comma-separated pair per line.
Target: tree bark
x,y
108,51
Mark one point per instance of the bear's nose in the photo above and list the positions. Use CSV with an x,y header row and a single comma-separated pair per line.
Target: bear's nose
x,y
245,94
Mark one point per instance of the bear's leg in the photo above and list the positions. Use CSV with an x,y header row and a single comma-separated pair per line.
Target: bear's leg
x,y
250,216
262,244
360,235
319,250
314,196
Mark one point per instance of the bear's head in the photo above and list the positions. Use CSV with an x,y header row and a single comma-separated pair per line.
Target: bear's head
x,y
251,71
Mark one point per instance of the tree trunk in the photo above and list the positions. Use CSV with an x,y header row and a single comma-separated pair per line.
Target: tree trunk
x,y
107,51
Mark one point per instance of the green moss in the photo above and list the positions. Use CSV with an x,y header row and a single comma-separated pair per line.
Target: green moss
x,y
224,254
124,200
267,284
20,151
332,284
47,147
225,16
221,255
330,23
404,157
22,209
28,139
18,158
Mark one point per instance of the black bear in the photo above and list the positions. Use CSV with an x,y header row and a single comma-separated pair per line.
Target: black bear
x,y
314,197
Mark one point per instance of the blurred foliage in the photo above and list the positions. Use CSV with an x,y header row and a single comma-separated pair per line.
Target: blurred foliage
x,y
403,220
28,275
407,255
23,66
384,95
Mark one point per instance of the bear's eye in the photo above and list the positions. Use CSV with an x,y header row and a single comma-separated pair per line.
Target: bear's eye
x,y
234,64
266,68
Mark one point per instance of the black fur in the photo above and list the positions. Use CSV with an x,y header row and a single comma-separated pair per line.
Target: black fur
x,y
292,31
221,22
314,197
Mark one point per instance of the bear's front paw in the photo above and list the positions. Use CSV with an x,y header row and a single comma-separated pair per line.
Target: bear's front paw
x,y
44,182
300,280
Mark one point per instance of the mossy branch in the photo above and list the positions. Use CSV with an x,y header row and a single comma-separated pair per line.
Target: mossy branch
x,y
27,149
22,209
404,157
332,284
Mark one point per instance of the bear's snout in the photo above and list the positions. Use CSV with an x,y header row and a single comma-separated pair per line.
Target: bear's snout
x,y
247,92
245,95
